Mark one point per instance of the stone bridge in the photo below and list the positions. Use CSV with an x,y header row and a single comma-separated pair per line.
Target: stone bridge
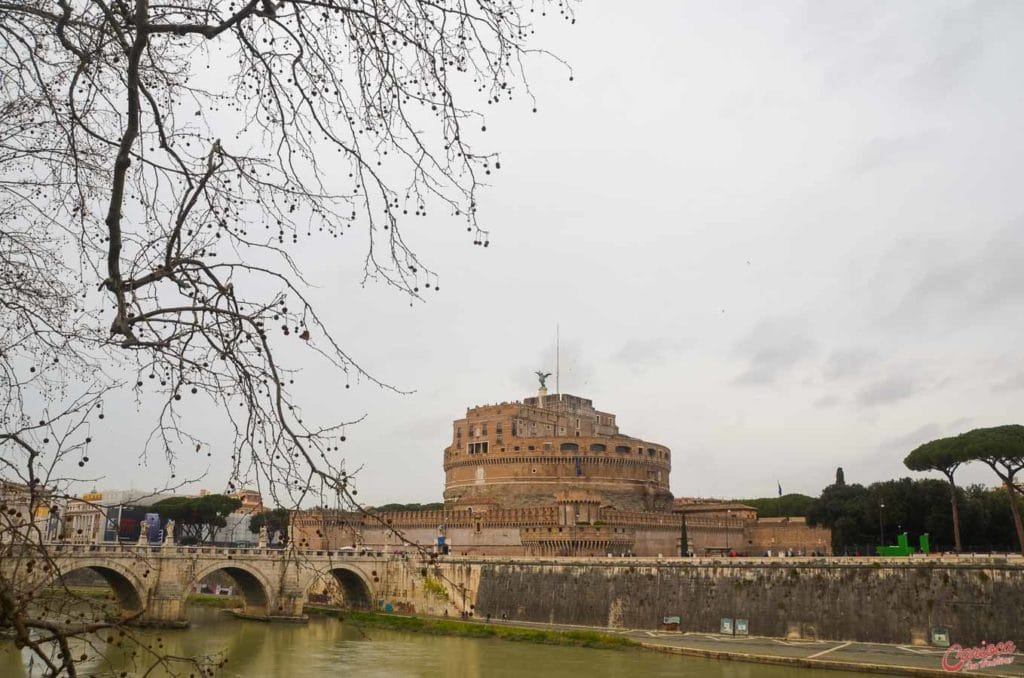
x,y
152,583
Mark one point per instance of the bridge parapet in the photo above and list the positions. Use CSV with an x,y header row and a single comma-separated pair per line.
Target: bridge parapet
x,y
153,581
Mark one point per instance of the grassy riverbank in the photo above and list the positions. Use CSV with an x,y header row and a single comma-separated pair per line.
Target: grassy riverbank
x,y
103,593
210,600
446,627
432,626
91,592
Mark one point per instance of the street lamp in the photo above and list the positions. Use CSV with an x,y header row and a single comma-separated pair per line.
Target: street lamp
x,y
728,516
881,525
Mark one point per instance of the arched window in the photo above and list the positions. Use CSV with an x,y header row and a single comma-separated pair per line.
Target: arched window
x,y
622,449
597,447
569,447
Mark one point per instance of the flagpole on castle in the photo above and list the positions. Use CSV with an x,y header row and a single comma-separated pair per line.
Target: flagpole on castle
x,y
558,371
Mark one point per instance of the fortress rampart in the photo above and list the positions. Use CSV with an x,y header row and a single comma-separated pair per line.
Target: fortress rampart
x,y
553,476
521,454
887,600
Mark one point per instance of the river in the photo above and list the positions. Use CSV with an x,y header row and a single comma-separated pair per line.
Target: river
x,y
326,648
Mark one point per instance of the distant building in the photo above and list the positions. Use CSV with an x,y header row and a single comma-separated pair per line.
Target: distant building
x,y
118,515
27,517
551,475
236,532
252,500
720,526
109,516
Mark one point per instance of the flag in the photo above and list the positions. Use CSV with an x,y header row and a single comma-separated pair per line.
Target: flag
x,y
780,488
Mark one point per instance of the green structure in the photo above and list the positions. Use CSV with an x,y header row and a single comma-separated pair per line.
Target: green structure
x,y
903,548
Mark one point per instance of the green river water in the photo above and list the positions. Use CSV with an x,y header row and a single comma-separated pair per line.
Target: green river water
x,y
326,648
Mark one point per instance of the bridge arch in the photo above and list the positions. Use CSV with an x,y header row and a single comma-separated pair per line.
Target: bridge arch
x,y
131,593
256,590
349,586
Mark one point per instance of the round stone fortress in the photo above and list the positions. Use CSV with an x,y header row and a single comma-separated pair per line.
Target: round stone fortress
x,y
527,454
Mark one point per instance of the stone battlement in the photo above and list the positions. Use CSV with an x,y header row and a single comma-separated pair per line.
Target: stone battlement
x,y
521,454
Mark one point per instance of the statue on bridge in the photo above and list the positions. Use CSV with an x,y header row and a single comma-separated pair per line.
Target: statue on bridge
x,y
261,540
169,533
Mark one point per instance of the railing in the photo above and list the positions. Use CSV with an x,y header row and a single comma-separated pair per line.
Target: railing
x,y
61,548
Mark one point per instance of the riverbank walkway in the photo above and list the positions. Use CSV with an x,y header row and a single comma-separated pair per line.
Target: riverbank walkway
x,y
876,658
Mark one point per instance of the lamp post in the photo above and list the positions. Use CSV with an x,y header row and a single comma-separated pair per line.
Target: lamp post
x,y
881,525
728,516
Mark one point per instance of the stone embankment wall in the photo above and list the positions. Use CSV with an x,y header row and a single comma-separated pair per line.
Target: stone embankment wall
x,y
863,599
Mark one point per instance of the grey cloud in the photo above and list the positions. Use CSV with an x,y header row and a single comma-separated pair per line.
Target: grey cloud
x,y
431,428
848,362
946,70
959,425
883,151
966,285
827,401
903,444
642,353
1013,382
887,390
772,349
909,441
886,457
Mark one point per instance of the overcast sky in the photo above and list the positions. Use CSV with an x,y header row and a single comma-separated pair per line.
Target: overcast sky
x,y
777,239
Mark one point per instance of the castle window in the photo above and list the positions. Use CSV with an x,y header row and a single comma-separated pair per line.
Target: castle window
x,y
478,448
547,447
622,449
597,447
530,448
570,447
650,451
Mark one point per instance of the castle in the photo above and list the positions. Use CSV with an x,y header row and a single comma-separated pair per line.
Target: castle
x,y
531,453
553,476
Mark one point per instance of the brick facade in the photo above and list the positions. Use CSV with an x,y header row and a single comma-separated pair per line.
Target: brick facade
x,y
549,476
521,454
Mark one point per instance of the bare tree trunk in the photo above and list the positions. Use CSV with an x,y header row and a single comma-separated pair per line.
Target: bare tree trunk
x,y
956,514
1011,491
